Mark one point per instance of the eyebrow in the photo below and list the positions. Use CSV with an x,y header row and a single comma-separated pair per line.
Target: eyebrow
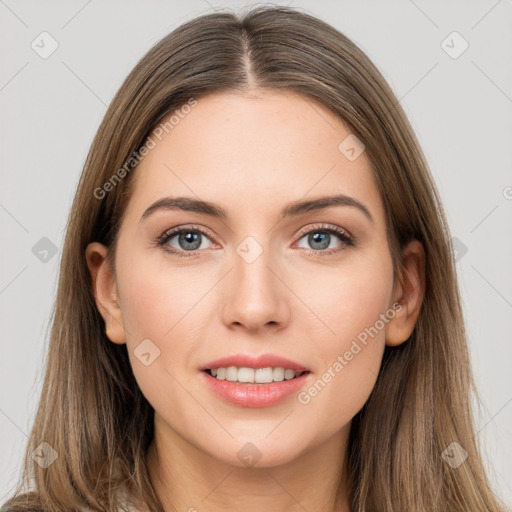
x,y
191,204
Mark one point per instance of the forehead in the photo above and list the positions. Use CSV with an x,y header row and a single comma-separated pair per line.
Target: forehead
x,y
253,153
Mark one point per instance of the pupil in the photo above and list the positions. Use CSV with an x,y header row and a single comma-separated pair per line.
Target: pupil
x,y
190,238
316,238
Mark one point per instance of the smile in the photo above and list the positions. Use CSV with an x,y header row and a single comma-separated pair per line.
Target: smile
x,y
254,375
254,394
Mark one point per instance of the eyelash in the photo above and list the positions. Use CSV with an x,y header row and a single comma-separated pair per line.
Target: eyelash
x,y
346,239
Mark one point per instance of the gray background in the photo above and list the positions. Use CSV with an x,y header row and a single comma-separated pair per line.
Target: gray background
x,y
460,108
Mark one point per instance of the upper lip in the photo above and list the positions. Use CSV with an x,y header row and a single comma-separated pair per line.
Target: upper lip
x,y
261,361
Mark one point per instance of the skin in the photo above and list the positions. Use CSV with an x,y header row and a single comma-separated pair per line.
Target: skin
x,y
253,154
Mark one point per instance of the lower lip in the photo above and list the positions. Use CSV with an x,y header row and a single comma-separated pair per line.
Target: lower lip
x,y
254,395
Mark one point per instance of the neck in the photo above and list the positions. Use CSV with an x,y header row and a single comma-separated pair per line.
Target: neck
x,y
187,478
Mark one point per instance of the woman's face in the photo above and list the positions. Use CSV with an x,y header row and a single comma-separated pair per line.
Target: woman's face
x,y
256,282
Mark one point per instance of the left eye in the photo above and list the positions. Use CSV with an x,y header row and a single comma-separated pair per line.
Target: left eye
x,y
321,240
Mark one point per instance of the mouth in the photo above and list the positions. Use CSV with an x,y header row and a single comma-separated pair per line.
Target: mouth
x,y
247,380
245,375
254,387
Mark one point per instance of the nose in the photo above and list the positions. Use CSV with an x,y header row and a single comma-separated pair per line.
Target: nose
x,y
255,297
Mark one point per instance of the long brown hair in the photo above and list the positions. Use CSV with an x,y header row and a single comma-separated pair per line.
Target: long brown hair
x,y
92,412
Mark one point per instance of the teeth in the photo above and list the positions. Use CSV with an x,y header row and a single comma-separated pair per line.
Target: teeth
x,y
243,374
263,375
258,375
279,373
231,373
289,374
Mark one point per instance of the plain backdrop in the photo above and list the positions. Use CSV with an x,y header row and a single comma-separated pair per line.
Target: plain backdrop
x,y
460,105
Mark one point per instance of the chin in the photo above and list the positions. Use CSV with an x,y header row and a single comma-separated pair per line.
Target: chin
x,y
259,452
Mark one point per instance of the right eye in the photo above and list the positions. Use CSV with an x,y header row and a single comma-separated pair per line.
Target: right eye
x,y
186,240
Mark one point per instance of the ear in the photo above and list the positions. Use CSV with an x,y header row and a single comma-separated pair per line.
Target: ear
x,y
409,291
105,291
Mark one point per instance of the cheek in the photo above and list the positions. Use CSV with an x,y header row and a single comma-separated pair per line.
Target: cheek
x,y
344,300
158,298
350,341
160,314
161,337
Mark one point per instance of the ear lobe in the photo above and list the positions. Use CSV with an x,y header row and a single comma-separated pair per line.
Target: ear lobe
x,y
105,291
409,293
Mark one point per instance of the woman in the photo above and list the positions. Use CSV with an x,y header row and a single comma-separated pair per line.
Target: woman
x,y
257,304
